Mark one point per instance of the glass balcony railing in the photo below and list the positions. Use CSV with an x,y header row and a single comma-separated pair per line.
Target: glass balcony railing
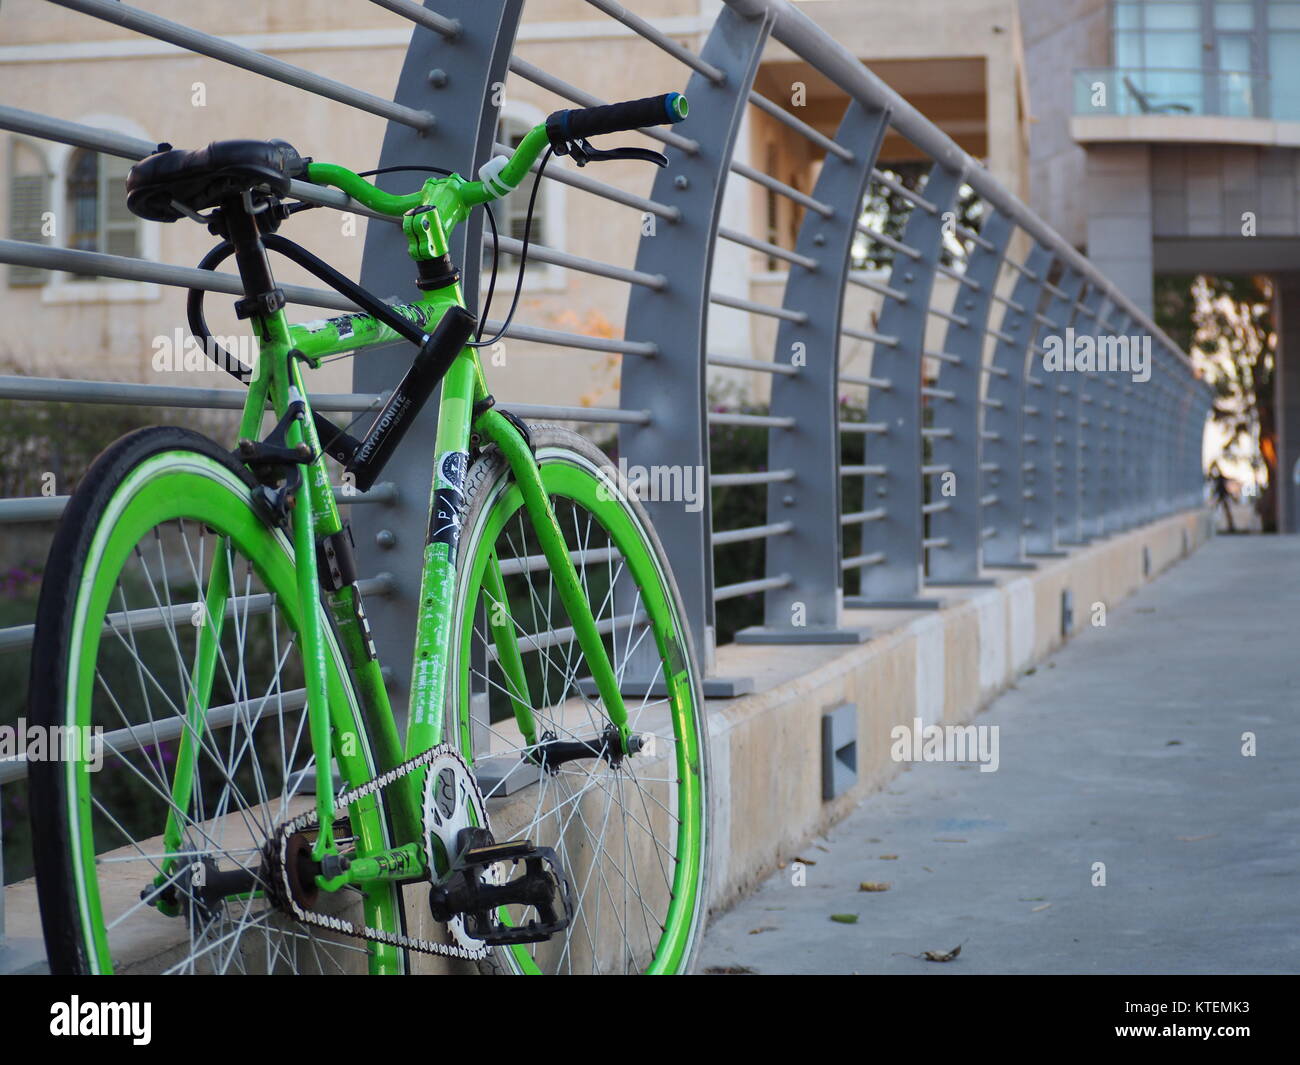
x,y
1149,91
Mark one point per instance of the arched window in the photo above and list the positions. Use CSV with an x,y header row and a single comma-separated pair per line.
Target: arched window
x,y
96,215
512,211
29,204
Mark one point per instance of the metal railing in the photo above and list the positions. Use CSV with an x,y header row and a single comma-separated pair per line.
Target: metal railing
x,y
975,455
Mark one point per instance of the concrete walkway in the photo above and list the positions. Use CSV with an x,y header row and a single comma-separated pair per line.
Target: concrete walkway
x,y
1126,749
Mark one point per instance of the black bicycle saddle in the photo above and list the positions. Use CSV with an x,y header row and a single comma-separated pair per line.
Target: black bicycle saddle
x,y
203,177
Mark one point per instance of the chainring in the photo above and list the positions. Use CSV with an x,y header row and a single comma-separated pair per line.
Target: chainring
x,y
452,803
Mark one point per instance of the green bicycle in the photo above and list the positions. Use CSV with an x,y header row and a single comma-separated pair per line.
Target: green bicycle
x,y
201,614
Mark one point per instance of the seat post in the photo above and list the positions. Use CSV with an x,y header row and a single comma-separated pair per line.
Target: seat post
x,y
261,296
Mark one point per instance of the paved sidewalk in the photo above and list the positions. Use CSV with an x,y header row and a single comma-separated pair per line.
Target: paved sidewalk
x,y
1125,748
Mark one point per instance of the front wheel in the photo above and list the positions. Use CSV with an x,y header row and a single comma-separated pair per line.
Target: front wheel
x,y
631,833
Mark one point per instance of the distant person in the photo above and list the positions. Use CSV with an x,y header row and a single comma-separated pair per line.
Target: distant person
x,y
1222,494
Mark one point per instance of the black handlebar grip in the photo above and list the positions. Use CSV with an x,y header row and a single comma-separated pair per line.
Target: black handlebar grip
x,y
565,126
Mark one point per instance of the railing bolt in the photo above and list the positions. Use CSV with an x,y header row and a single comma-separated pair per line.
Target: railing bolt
x,y
386,538
438,78
681,181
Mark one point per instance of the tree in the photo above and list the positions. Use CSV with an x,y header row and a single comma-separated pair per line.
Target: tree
x,y
1226,323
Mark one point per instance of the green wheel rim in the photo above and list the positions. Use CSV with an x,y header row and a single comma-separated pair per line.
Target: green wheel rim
x,y
569,476
190,486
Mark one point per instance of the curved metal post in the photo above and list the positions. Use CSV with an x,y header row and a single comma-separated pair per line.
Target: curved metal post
x,y
956,528
1001,439
469,64
807,609
671,384
895,479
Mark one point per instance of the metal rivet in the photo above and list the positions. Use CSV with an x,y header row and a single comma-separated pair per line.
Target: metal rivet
x,y
438,78
386,538
681,181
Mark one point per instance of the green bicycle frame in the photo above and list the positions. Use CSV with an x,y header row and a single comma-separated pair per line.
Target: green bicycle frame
x,y
428,217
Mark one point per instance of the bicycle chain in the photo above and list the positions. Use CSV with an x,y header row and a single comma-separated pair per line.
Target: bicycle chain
x,y
311,819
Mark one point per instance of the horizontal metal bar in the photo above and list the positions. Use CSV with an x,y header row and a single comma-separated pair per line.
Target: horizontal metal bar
x,y
575,179
782,189
996,371
763,584
966,233
934,541
799,126
126,394
735,362
944,356
736,303
753,532
996,404
936,469
564,259
142,619
193,40
599,415
868,470
939,312
581,341
25,509
937,433
561,88
762,421
883,383
870,337
888,241
422,16
731,480
989,500
659,39
119,144
911,196
100,264
937,507
1006,338
860,561
870,283
863,427
133,737
958,276
946,394
858,517
1007,301
767,248
553,637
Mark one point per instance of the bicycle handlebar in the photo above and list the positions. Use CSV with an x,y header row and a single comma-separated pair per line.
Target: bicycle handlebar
x,y
565,126
561,128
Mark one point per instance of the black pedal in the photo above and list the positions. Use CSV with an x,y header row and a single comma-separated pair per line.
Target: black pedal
x,y
542,885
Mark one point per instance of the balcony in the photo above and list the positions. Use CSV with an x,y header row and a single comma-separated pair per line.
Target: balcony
x,y
1181,105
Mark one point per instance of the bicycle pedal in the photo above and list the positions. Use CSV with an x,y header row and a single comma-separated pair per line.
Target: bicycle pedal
x,y
473,892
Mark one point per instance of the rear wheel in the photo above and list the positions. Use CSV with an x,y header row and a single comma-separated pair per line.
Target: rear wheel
x,y
631,833
169,619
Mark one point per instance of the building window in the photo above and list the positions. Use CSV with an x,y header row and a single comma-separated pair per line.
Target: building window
x,y
29,206
95,206
512,210
1239,58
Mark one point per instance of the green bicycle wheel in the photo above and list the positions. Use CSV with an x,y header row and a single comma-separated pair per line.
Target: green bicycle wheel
x,y
632,834
152,859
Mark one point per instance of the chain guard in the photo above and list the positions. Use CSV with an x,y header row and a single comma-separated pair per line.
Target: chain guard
x,y
278,858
